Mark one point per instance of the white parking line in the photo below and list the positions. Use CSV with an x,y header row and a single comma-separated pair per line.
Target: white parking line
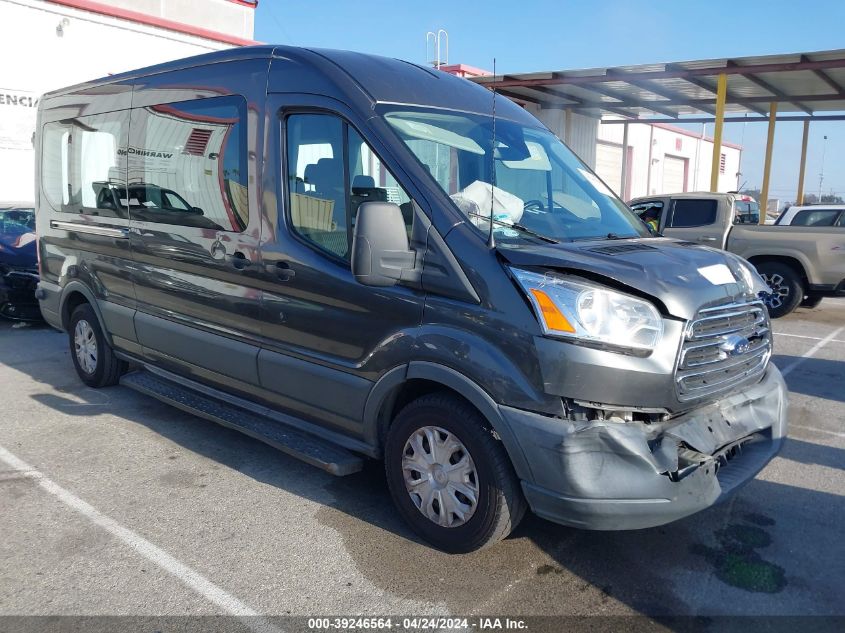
x,y
810,352
815,430
145,548
812,338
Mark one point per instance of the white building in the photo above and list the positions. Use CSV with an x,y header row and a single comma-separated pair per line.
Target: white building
x,y
49,44
661,158
576,106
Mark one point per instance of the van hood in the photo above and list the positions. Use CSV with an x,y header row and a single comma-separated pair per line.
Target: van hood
x,y
684,276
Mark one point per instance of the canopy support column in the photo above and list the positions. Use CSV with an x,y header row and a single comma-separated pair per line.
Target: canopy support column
x,y
721,96
624,180
799,197
767,166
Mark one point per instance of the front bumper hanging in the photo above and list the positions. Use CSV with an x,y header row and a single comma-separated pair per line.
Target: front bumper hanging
x,y
609,475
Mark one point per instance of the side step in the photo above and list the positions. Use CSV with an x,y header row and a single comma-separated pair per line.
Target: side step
x,y
306,447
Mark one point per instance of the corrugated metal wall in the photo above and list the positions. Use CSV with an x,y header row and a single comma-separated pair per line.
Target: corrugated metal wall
x,y
583,130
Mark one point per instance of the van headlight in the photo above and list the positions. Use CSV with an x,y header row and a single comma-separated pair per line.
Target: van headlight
x,y
587,312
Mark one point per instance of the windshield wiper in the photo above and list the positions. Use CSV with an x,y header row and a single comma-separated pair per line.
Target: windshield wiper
x,y
518,227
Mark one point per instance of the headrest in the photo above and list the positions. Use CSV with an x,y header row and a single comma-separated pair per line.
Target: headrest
x,y
310,173
363,182
331,170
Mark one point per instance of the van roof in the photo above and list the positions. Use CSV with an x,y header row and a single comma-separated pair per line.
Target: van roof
x,y
383,79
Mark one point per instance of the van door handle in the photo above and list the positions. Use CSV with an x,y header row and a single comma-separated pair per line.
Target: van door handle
x,y
282,270
238,261
707,238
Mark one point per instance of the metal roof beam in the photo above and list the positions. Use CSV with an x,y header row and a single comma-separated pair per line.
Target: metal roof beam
x,y
621,96
573,102
754,119
560,95
578,103
731,97
839,90
673,71
610,107
748,102
518,97
660,91
769,87
514,96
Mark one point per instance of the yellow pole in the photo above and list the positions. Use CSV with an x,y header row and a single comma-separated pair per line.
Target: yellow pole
x,y
721,95
799,197
767,167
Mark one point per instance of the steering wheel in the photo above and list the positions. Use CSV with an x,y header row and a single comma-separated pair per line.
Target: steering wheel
x,y
534,206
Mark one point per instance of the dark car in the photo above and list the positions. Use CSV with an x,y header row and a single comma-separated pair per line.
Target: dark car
x,y
18,262
388,267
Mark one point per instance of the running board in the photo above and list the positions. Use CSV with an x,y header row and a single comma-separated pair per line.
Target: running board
x,y
313,450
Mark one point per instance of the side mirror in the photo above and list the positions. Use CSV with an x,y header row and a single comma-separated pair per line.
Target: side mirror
x,y
197,211
380,250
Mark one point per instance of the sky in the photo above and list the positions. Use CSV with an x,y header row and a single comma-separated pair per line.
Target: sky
x,y
538,35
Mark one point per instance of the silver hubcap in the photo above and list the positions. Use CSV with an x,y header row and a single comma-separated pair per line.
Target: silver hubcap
x,y
780,291
85,346
440,476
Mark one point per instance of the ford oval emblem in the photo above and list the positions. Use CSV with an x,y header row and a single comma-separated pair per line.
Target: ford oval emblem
x,y
734,345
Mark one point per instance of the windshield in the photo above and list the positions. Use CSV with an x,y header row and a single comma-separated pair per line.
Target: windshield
x,y
533,185
746,212
17,220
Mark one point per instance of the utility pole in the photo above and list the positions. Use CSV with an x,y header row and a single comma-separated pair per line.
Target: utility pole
x,y
821,174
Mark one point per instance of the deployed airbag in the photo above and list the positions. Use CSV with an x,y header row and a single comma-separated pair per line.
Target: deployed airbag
x,y
476,201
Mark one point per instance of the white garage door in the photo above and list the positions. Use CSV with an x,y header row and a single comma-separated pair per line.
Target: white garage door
x,y
609,166
674,170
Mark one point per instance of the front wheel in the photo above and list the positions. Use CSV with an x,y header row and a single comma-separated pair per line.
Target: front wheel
x,y
787,289
451,480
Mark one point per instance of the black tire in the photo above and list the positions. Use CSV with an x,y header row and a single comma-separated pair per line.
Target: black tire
x,y
811,301
500,504
105,368
787,289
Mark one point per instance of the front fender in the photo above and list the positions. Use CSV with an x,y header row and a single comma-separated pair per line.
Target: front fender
x,y
455,381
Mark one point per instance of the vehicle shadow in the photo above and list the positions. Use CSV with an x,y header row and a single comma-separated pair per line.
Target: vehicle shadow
x,y
810,453
819,377
676,570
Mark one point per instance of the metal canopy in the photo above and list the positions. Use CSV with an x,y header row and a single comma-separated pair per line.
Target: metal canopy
x,y
802,84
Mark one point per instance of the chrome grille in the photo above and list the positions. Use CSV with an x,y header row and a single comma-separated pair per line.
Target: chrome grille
x,y
723,346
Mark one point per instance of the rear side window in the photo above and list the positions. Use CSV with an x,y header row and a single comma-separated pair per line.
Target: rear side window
x,y
188,164
688,213
83,160
815,217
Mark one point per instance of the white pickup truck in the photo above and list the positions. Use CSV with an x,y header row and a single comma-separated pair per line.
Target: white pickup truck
x,y
801,264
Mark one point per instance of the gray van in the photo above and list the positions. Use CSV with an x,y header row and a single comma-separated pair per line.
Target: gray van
x,y
350,257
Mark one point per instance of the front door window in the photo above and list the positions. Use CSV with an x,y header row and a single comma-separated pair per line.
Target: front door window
x,y
332,171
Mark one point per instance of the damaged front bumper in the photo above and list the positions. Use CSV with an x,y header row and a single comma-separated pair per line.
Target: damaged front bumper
x,y
608,475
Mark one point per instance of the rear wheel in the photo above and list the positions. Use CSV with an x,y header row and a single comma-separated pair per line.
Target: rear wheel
x,y
787,289
93,357
451,480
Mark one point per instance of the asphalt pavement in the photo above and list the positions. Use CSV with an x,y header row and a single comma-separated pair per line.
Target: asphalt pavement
x,y
112,503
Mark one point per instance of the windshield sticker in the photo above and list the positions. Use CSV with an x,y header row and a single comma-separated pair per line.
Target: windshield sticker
x,y
718,274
